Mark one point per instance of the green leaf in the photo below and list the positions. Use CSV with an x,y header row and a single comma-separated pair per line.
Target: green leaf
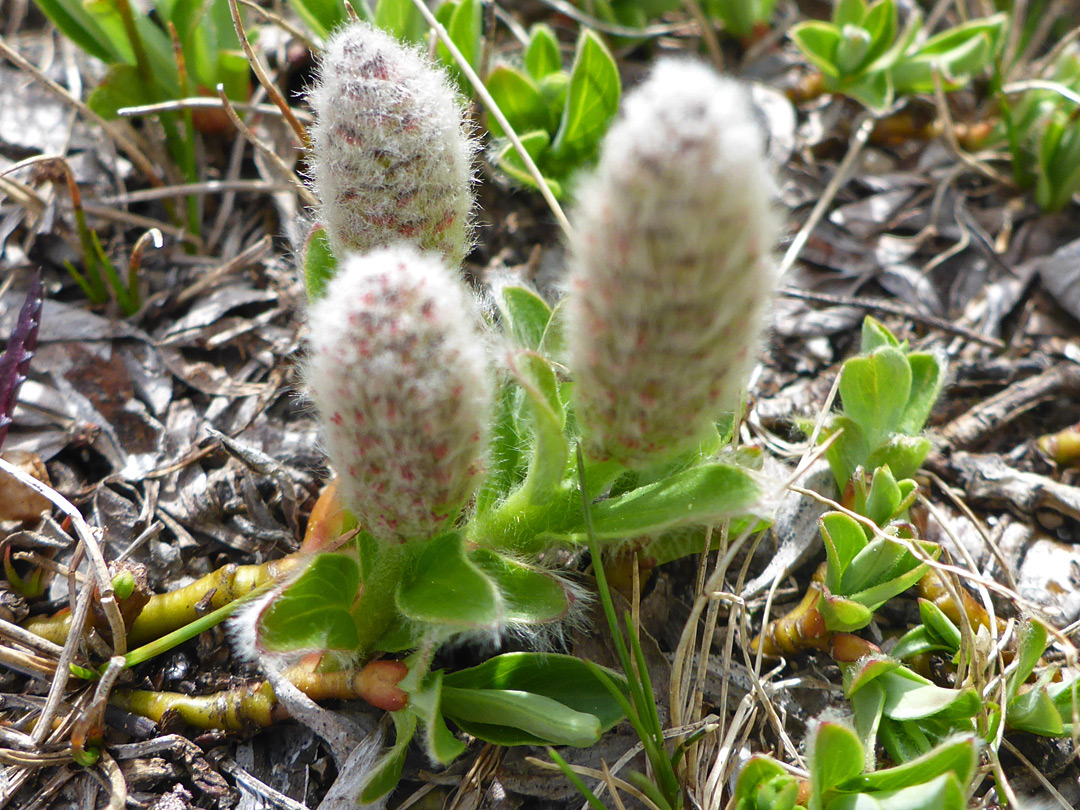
x,y
872,567
844,539
852,48
843,615
875,335
519,98
426,702
1032,644
319,263
511,717
526,313
536,144
121,87
925,387
323,16
698,496
873,89
884,498
80,27
550,450
531,595
918,641
943,793
401,19
1034,711
386,772
312,614
903,454
507,463
956,53
763,783
562,678
444,587
858,676
880,22
875,390
818,41
958,756
848,12
940,626
867,704
835,755
911,697
591,101
464,27
848,451
542,57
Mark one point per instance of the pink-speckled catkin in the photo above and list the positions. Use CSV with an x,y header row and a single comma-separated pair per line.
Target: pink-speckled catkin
x,y
672,268
391,154
400,377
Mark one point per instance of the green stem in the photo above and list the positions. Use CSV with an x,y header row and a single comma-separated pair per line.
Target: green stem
x,y
375,610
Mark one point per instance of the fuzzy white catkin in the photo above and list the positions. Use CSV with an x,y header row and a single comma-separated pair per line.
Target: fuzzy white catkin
x,y
391,155
399,373
671,265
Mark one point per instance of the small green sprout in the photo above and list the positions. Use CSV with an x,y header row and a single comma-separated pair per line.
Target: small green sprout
x,y
560,116
938,780
861,52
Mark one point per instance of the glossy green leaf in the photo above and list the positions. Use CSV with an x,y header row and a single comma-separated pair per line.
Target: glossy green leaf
x,y
925,387
958,756
835,755
444,587
903,454
884,497
512,717
911,697
858,676
867,704
80,27
562,678
1034,711
848,451
848,12
943,793
873,89
871,567
880,21
464,27
939,625
956,53
1032,644
591,101
323,16
536,144
852,48
918,641
520,100
844,539
312,614
844,615
542,56
764,785
818,41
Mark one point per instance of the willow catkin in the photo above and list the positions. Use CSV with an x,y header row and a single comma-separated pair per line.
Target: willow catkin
x,y
671,266
391,153
399,374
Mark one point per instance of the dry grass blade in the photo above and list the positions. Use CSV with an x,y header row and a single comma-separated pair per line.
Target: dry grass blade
x,y
264,78
125,144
